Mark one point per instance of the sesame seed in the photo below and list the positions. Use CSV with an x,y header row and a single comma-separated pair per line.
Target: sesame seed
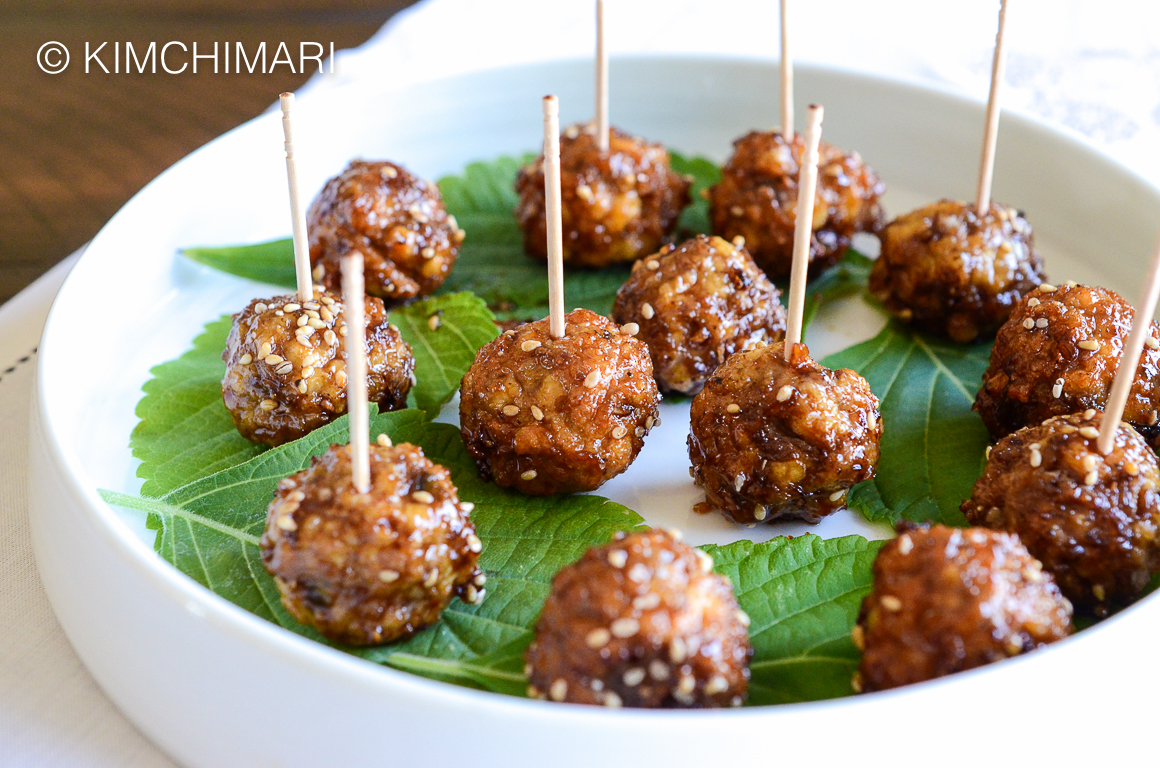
x,y
1033,302
1057,390
1041,322
1036,458
785,393
737,210
245,359
1029,323
1089,344
739,241
558,690
634,677
856,682
592,379
1151,343
1090,462
423,497
304,333
619,432
292,307
1131,468
303,320
1089,413
473,543
302,387
460,234
987,453
837,495
686,685
617,558
1098,591
286,523
427,253
388,576
905,544
260,307
631,329
759,512
284,368
705,560
652,264
530,344
1047,288
327,300
658,670
646,311
1089,432
738,482
479,580
432,577
598,638
274,360
677,650
612,700
890,602
534,692
511,410
528,475
639,573
267,405
645,602
1091,477
388,172
537,414
733,408
626,627
434,321
330,338
315,323
263,350
472,595
648,422
466,506
383,440
584,192
716,684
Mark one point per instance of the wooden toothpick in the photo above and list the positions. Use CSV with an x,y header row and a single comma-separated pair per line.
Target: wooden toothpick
x,y
356,370
991,132
786,76
1130,360
803,228
601,80
297,213
552,215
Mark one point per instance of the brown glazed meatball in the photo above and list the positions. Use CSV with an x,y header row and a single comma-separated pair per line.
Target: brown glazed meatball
x,y
369,568
776,440
408,240
758,194
695,306
1093,520
545,415
286,368
947,271
641,622
1058,354
616,206
949,599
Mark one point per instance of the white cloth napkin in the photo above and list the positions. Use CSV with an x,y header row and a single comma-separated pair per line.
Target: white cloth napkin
x,y
1089,66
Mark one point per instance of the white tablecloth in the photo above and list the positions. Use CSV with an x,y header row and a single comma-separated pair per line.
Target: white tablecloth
x,y
1093,67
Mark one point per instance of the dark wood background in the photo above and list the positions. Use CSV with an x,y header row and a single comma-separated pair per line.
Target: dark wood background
x,y
75,147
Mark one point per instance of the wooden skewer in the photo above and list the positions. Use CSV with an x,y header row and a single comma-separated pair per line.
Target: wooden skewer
x,y
555,227
991,132
601,80
297,213
1130,360
803,229
356,370
786,76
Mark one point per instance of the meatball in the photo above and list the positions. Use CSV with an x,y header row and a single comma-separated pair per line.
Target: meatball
x,y
1058,354
949,599
758,194
641,622
1093,520
369,568
546,415
696,305
286,368
774,440
948,271
408,240
616,206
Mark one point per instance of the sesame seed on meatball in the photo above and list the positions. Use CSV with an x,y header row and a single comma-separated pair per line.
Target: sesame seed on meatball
x,y
1093,520
949,271
641,622
1058,354
395,219
369,568
286,366
946,600
616,205
758,194
776,440
546,415
697,304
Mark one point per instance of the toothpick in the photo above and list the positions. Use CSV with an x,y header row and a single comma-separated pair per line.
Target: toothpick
x,y
803,228
601,80
356,370
1130,360
297,213
991,133
786,76
552,213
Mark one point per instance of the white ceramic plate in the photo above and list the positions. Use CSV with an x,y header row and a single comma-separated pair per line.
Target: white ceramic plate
x,y
217,686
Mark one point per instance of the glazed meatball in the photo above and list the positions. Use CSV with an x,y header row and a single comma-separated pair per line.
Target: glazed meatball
x,y
775,440
641,622
695,306
758,194
1058,354
397,220
947,271
369,568
616,206
286,368
949,599
545,415
1093,520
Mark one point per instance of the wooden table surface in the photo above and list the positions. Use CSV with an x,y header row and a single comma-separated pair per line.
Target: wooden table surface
x,y
74,147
